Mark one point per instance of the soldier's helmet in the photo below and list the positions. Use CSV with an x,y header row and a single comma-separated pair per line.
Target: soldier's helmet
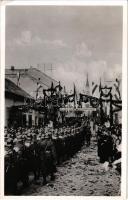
x,y
27,142
46,135
29,137
16,148
18,134
42,137
38,137
24,136
19,138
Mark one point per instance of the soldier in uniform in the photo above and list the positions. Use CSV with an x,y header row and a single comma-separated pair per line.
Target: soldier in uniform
x,y
57,144
50,156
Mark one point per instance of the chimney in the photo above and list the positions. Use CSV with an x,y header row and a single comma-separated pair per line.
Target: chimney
x,y
12,68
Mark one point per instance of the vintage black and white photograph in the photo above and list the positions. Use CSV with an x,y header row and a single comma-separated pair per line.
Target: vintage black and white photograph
x,y
63,100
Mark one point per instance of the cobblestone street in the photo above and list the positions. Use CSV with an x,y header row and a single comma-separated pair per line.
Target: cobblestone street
x,y
82,175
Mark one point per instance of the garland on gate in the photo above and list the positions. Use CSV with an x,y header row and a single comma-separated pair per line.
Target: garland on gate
x,y
94,102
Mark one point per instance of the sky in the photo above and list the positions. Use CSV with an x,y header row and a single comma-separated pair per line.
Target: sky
x,y
75,40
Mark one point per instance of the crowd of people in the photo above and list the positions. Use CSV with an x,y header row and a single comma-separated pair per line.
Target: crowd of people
x,y
40,150
109,145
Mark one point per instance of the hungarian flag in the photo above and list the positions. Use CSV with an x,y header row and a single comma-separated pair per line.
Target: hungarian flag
x,y
94,87
100,85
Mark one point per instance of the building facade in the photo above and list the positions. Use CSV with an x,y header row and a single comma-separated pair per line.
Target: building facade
x,y
16,112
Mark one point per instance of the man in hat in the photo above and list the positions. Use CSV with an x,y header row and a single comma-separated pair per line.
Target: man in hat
x,y
105,146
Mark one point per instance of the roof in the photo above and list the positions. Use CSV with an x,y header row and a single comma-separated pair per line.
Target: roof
x,y
32,73
12,88
29,78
